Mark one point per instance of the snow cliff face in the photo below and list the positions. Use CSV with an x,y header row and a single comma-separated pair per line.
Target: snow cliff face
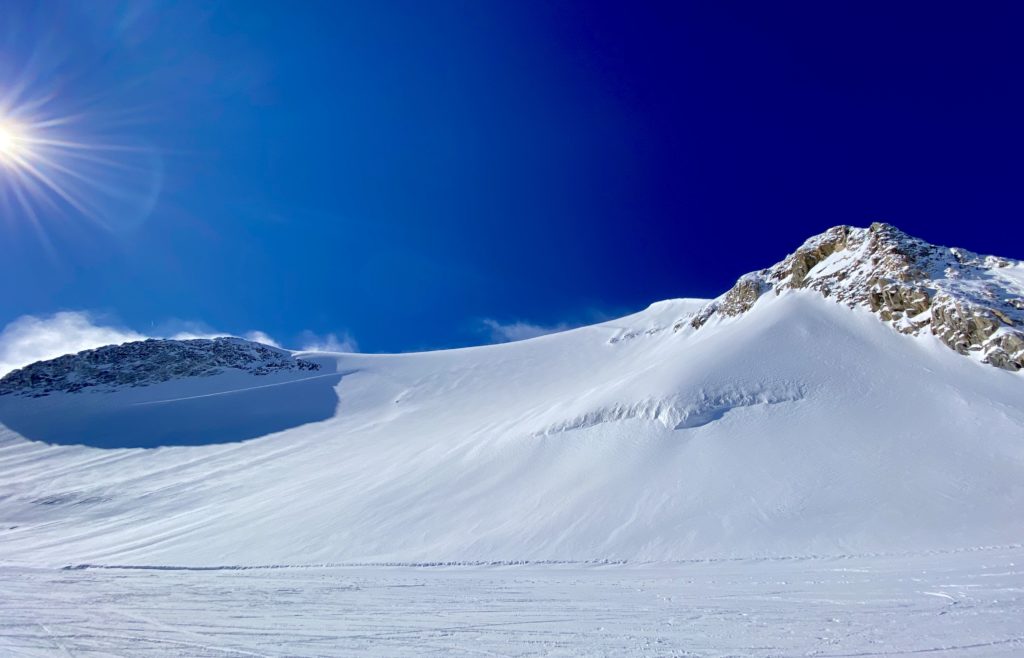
x,y
974,304
148,362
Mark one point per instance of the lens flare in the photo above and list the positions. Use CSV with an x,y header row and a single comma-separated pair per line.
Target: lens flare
x,y
55,166
81,155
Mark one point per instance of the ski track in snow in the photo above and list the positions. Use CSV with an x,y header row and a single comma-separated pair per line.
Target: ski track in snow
x,y
967,603
236,391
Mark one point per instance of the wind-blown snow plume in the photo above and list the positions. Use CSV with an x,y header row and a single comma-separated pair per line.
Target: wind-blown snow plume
x,y
311,342
512,331
32,338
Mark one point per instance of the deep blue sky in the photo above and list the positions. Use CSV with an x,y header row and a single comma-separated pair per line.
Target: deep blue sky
x,y
403,170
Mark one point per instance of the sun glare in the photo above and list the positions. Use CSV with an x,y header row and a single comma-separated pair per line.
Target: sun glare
x,y
57,163
12,141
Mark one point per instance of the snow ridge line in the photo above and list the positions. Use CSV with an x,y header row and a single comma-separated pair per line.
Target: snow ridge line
x,y
679,413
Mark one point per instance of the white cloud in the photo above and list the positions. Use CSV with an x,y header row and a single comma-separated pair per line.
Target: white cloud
x,y
328,343
31,338
513,331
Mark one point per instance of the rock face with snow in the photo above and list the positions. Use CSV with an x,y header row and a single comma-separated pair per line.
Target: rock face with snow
x,y
974,304
147,362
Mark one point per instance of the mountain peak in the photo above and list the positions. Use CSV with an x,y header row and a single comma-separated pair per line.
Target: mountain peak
x,y
973,303
146,362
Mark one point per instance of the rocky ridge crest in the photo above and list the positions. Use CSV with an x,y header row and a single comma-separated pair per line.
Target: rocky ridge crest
x,y
142,363
973,303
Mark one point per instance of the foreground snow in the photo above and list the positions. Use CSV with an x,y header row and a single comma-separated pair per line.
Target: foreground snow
x,y
967,603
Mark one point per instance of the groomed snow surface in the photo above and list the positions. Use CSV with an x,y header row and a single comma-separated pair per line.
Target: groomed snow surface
x,y
800,479
959,604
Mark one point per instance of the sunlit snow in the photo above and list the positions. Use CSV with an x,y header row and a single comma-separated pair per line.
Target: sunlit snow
x,y
798,479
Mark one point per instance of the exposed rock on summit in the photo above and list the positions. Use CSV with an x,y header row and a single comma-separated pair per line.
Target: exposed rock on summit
x,y
972,303
142,363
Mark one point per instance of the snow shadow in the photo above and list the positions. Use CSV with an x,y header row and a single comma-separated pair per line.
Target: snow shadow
x,y
149,417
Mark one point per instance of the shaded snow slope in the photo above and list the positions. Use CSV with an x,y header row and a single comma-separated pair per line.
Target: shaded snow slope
x,y
798,427
167,392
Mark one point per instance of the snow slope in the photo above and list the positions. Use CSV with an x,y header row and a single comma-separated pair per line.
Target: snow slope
x,y
798,427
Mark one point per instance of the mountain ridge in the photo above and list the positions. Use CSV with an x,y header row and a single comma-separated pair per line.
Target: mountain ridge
x,y
912,285
147,362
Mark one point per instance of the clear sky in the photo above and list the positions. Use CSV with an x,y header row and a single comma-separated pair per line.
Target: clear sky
x,y
437,173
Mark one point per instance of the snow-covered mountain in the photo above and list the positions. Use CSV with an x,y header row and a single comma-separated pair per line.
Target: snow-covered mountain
x,y
772,421
972,303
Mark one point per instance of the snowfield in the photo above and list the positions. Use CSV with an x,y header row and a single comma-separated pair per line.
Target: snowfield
x,y
943,604
800,428
800,479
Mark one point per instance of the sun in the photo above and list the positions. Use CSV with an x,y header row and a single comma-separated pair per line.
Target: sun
x,y
13,142
60,164
8,137
41,166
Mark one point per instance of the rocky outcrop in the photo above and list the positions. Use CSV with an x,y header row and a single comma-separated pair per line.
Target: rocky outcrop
x,y
972,303
147,362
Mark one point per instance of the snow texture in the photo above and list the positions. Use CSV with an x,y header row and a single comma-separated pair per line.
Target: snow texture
x,y
797,477
960,604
